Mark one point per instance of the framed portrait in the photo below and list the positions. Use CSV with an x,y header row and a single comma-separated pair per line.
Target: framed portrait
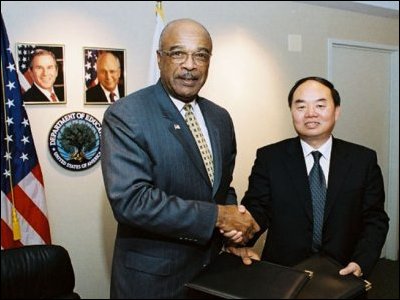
x,y
104,74
41,73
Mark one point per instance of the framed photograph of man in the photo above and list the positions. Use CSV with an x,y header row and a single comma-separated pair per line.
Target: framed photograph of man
x,y
41,73
104,73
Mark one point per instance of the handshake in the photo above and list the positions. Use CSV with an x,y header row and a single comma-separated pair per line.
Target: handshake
x,y
236,223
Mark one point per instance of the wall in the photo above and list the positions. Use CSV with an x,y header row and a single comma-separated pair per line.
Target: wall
x,y
251,73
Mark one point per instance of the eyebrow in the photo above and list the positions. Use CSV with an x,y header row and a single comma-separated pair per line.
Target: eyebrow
x,y
302,101
183,48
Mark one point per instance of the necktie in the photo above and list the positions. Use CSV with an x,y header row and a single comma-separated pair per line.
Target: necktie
x,y
112,97
53,97
317,182
200,141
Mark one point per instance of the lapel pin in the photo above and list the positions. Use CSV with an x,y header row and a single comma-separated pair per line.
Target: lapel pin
x,y
176,127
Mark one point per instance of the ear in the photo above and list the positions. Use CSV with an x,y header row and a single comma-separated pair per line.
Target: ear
x,y
158,58
337,112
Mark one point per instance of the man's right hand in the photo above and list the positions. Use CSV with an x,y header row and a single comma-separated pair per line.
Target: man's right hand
x,y
231,218
247,254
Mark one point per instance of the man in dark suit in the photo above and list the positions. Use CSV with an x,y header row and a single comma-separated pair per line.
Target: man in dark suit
x,y
108,74
354,223
44,71
168,205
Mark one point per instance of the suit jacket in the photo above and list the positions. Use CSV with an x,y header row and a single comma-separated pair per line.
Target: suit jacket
x,y
33,94
160,192
96,94
279,198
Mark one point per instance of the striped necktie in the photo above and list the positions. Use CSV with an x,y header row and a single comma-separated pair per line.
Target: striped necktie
x,y
318,194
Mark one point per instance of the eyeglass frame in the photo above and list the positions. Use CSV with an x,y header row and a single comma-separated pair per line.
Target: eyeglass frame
x,y
185,56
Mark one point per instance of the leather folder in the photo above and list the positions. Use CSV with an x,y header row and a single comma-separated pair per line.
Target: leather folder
x,y
327,283
227,277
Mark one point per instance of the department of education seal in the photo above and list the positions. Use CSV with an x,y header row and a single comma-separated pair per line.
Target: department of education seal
x,y
74,141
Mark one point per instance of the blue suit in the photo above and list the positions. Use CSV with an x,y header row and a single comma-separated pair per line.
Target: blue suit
x,y
160,192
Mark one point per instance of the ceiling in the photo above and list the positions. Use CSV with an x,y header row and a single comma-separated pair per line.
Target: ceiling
x,y
388,9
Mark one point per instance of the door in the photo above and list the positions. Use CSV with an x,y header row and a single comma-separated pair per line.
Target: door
x,y
365,76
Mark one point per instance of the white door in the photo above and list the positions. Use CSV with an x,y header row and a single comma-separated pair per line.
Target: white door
x,y
365,76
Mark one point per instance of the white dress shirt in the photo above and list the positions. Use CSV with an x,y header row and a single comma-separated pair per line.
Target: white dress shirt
x,y
199,116
325,159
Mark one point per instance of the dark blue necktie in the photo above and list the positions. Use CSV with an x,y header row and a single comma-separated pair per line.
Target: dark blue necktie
x,y
318,194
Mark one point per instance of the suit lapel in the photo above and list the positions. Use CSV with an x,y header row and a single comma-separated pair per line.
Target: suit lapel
x,y
338,170
179,129
296,166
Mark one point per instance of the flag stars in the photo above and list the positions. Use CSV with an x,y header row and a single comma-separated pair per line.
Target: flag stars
x,y
9,121
8,138
24,156
25,122
7,173
11,67
7,156
25,139
10,102
11,85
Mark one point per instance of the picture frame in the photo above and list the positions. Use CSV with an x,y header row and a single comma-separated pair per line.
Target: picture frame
x,y
42,81
104,75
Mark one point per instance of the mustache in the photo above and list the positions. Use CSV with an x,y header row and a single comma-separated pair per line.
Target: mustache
x,y
188,75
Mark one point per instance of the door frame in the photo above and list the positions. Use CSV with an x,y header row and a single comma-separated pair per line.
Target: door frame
x,y
391,249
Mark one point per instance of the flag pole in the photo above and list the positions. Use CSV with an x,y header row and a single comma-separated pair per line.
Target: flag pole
x,y
154,72
15,224
159,10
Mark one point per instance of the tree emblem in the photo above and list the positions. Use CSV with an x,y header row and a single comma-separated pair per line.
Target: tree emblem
x,y
77,140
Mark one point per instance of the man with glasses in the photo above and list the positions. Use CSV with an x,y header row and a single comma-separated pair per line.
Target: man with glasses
x,y
167,159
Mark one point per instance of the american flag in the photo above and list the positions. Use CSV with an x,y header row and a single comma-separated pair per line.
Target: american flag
x,y
23,204
90,67
24,53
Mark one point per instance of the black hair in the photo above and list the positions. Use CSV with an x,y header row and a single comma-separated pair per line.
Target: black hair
x,y
323,81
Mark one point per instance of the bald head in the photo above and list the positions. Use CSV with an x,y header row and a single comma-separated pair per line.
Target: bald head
x,y
183,58
108,70
183,25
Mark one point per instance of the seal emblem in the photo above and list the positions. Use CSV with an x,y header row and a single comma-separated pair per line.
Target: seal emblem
x,y
74,141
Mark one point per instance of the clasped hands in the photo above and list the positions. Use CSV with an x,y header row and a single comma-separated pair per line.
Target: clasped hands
x,y
236,223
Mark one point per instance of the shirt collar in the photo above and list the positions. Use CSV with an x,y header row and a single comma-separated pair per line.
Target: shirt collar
x,y
325,149
44,91
180,104
107,92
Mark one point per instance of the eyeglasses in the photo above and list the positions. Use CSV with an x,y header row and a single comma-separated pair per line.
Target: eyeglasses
x,y
178,56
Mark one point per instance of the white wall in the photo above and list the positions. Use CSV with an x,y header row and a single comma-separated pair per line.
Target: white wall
x,y
251,73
